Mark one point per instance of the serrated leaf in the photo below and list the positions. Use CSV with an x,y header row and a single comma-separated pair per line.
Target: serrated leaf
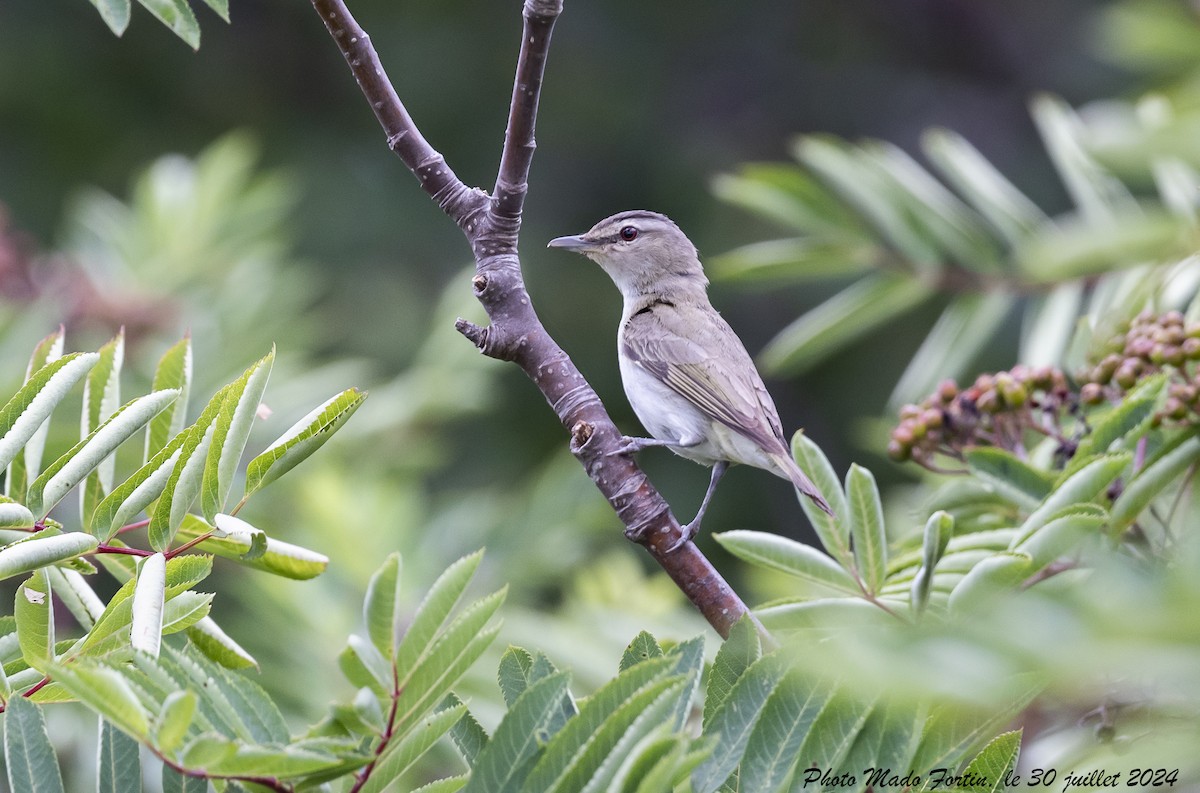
x,y
1083,485
101,396
33,609
788,556
951,732
400,755
509,756
231,430
381,606
847,316
834,731
468,734
1025,485
69,469
39,551
173,721
182,573
773,748
994,762
27,465
833,530
512,673
1149,482
120,766
581,745
866,527
175,782
77,595
734,720
184,483
218,647
237,541
1062,535
174,370
434,610
1133,412
791,197
1000,573
305,437
737,654
105,690
137,492
147,612
219,6
642,648
178,17
28,753
25,413
648,720
885,745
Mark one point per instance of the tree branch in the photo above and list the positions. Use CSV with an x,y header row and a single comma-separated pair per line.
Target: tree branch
x,y
491,224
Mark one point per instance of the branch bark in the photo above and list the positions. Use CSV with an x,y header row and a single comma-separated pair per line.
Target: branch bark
x,y
491,223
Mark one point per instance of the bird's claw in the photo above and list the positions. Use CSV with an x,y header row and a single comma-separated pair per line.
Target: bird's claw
x,y
686,535
626,446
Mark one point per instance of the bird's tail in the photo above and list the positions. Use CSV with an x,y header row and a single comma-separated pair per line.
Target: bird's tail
x,y
803,484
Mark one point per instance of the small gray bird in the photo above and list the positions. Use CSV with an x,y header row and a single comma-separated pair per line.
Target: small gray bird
x,y
686,373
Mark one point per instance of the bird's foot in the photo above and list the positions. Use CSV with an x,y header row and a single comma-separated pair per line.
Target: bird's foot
x,y
628,445
687,533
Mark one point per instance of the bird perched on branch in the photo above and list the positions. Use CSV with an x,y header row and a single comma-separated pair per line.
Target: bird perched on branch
x,y
687,375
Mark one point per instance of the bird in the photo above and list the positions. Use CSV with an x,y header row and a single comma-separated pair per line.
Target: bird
x,y
686,374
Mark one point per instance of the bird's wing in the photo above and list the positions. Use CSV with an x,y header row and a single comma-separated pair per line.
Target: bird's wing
x,y
693,351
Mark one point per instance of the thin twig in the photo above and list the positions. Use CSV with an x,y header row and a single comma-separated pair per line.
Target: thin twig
x,y
491,224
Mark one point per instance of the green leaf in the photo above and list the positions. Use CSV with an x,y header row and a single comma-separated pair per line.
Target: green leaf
x,y
649,721
1132,413
580,747
101,396
120,767
137,492
1000,573
834,530
178,17
886,743
866,527
68,470
35,621
434,611
642,648
1061,536
175,782
773,748
1049,325
734,720
802,259
24,414
28,753
509,756
1075,248
849,315
305,437
1146,485
28,465
236,542
951,732
174,371
381,607
468,734
174,719
39,551
219,6
74,592
1084,485
182,573
737,654
962,332
218,647
835,731
14,515
995,761
788,556
115,14
1006,208
1098,195
938,531
231,430
791,197
1016,479
106,691
400,755
185,480
147,610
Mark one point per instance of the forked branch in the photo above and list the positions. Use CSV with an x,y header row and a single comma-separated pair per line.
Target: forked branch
x,y
491,224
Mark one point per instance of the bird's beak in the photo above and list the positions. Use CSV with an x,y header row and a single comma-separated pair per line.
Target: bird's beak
x,y
575,242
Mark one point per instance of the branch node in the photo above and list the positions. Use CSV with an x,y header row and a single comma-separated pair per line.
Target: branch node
x,y
581,433
480,284
476,334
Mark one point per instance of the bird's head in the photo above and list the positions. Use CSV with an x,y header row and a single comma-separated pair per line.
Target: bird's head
x,y
643,252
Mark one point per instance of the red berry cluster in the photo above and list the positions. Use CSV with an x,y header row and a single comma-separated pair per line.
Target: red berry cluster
x,y
997,410
1149,344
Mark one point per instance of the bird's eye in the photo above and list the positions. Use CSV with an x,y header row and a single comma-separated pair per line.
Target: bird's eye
x,y
629,233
